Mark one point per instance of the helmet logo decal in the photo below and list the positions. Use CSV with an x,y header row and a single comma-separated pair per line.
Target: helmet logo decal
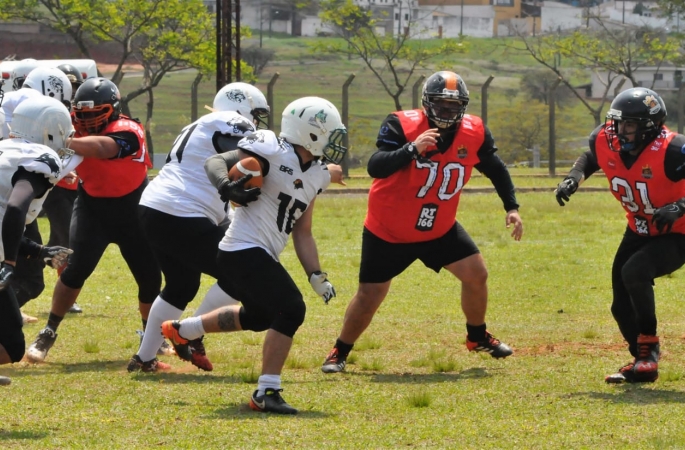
x,y
651,102
236,95
318,119
56,85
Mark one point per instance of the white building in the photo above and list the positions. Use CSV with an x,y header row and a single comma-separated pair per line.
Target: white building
x,y
663,79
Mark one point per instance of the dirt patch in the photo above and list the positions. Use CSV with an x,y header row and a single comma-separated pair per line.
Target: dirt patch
x,y
108,69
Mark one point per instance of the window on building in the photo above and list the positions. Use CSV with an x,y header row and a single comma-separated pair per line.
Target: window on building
x,y
502,2
658,76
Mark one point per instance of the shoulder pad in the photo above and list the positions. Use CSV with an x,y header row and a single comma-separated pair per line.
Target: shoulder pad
x,y
263,143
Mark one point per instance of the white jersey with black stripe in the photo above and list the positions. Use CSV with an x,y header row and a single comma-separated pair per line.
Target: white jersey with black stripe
x,y
288,190
182,188
19,153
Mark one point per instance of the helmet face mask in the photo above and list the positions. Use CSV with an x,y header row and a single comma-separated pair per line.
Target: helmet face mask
x,y
73,75
315,124
246,100
445,98
21,71
634,119
96,103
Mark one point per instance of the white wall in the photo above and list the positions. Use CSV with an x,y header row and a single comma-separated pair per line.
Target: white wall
x,y
478,21
644,78
556,16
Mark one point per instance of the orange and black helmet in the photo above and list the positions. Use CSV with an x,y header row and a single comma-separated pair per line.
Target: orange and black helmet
x,y
445,98
96,103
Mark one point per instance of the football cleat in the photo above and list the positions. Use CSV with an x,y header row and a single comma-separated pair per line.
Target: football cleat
x,y
198,356
645,368
138,365
490,345
334,363
5,381
271,401
75,309
28,319
38,351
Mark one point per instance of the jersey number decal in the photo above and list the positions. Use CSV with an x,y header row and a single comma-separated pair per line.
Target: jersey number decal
x,y
622,187
180,143
285,224
451,169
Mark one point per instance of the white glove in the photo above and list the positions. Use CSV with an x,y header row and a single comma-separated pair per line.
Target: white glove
x,y
322,286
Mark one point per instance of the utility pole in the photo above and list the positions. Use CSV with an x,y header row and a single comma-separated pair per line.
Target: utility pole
x,y
226,42
461,19
399,23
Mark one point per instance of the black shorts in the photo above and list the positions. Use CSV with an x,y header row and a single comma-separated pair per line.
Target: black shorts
x,y
382,260
185,247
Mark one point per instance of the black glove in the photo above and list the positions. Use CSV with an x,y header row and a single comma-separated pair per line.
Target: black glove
x,y
565,189
55,256
235,192
6,272
665,216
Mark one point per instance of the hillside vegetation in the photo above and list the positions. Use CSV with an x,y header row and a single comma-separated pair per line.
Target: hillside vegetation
x,y
301,72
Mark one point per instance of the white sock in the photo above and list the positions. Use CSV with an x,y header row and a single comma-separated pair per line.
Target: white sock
x,y
161,311
215,298
268,381
191,328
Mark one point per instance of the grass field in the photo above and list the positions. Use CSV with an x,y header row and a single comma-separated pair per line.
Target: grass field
x,y
412,383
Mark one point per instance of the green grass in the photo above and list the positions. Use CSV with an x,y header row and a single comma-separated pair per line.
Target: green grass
x,y
412,384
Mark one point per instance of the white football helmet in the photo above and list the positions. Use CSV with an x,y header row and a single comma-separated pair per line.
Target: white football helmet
x,y
21,70
43,120
315,124
50,82
246,100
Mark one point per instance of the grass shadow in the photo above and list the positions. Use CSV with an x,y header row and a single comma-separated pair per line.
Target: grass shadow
x,y
635,394
234,411
7,435
441,377
183,378
49,368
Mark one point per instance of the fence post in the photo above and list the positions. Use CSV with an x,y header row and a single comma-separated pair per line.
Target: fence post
x,y
270,99
415,92
552,128
193,97
484,100
681,105
345,120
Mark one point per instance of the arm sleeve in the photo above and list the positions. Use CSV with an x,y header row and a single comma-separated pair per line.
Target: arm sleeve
x,y
128,143
225,142
494,168
674,160
217,167
392,154
27,186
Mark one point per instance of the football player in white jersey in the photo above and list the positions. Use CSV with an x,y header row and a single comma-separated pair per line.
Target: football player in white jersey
x,y
184,218
294,174
31,163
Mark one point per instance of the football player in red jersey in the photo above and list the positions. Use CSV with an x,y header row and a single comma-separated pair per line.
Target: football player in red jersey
x,y
424,159
645,165
112,176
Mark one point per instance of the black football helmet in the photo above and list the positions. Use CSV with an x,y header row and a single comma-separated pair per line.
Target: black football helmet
x,y
640,105
74,75
445,98
96,103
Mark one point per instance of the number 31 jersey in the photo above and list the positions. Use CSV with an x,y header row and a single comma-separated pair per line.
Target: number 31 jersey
x,y
288,190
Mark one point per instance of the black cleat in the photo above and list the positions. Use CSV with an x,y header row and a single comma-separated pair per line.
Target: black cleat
x,y
271,401
38,351
490,345
334,363
138,365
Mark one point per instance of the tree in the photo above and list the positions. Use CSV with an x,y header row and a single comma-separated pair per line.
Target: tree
x,y
392,59
161,35
618,52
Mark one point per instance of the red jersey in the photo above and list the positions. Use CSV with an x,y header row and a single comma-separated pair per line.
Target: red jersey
x,y
419,202
71,186
645,186
120,176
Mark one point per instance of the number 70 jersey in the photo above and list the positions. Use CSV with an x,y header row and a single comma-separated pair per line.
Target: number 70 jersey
x,y
288,190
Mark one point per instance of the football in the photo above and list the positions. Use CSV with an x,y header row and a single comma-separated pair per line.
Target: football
x,y
247,166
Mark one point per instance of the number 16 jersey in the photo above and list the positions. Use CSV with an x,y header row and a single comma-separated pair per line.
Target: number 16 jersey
x,y
288,190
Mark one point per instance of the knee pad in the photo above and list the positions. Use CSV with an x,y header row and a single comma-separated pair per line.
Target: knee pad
x,y
15,347
290,317
254,322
